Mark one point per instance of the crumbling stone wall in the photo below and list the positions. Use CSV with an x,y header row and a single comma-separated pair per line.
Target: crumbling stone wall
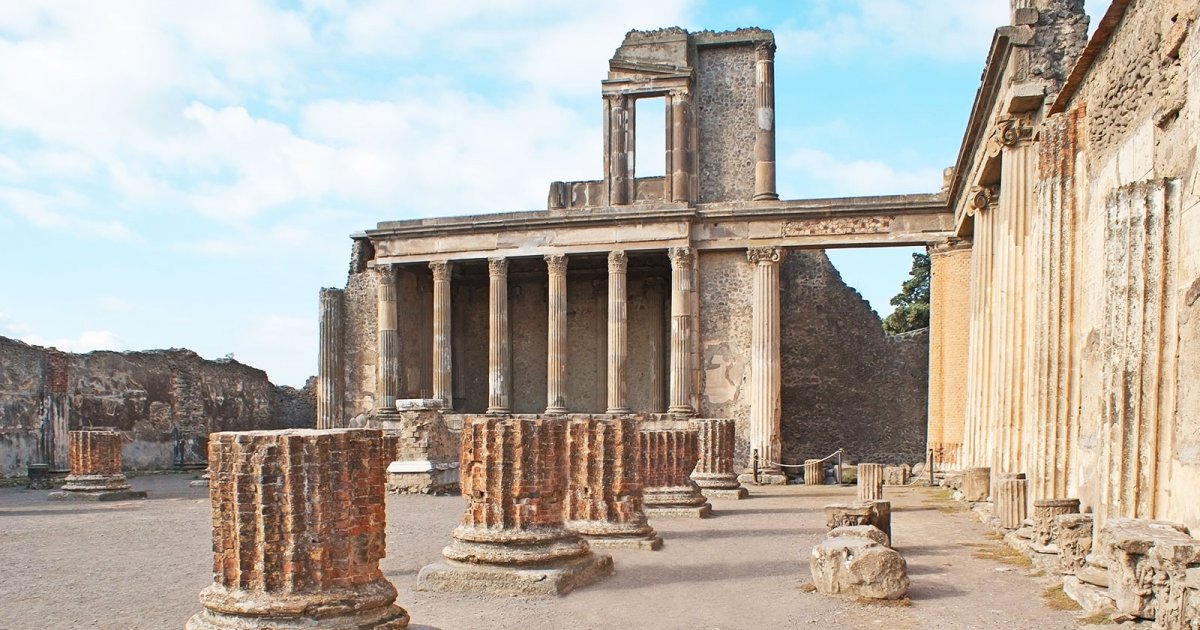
x,y
725,105
360,345
846,383
153,397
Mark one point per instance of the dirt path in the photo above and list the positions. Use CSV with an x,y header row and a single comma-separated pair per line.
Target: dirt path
x,y
140,564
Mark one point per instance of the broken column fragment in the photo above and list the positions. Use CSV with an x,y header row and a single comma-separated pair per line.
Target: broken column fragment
x,y
511,539
95,457
1144,558
668,454
298,532
1009,500
976,484
857,513
604,490
1045,513
870,482
814,472
858,566
714,473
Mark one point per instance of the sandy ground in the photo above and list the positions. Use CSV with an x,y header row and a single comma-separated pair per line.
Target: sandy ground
x,y
140,564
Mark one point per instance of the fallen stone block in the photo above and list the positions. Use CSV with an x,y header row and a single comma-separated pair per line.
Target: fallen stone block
x,y
1143,557
869,532
858,566
1091,598
1073,536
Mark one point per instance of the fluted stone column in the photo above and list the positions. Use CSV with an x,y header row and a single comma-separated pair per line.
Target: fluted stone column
x,y
443,358
329,360
669,451
556,346
1009,502
714,472
604,490
618,326
678,181
765,375
764,133
387,383
499,352
870,482
95,460
512,537
298,531
814,472
618,147
682,285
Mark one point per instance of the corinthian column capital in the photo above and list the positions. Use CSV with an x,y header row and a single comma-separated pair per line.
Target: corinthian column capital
x,y
681,257
556,264
441,270
618,262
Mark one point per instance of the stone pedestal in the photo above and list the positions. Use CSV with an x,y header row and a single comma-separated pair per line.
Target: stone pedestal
x,y
876,513
976,484
668,456
1045,511
512,539
1073,537
814,472
1009,502
604,491
714,473
421,453
95,458
1145,558
870,482
298,532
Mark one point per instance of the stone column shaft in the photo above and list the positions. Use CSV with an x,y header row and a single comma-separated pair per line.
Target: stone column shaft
x,y
330,377
668,457
604,489
443,388
556,346
617,124
387,385
298,531
681,331
499,363
618,345
765,375
764,135
714,473
870,482
679,125
1009,502
814,472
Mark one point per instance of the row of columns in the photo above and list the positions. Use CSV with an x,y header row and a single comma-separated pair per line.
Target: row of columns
x,y
764,414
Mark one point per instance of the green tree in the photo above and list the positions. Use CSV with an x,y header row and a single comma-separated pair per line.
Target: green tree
x,y
912,303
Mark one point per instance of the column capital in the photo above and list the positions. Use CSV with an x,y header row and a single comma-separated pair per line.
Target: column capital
x,y
681,257
556,264
441,270
1014,131
498,266
765,255
386,271
983,198
618,261
765,51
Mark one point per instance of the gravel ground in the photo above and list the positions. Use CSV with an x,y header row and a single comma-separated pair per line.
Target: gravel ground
x,y
141,564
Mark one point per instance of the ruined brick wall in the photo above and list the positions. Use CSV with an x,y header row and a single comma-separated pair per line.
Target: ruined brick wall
x,y
360,345
846,384
725,108
151,396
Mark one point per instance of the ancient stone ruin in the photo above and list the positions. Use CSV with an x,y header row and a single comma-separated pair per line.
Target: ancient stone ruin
x,y
96,468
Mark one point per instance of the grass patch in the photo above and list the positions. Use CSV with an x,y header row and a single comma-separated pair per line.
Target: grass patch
x,y
1058,600
903,602
999,553
1097,619
943,501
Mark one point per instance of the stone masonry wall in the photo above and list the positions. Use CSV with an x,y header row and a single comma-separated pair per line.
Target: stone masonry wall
x,y
725,108
150,396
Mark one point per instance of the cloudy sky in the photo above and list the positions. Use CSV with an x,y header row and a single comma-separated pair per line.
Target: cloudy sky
x,y
186,174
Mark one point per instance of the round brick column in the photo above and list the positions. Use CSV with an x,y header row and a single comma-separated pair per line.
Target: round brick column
x,y
95,458
714,472
668,457
604,492
298,532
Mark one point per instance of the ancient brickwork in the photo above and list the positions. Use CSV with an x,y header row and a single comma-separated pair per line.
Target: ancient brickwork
x,y
95,453
298,530
604,490
668,455
725,103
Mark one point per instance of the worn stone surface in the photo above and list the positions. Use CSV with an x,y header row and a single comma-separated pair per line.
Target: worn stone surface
x,y
870,532
860,513
858,566
512,537
977,484
714,473
1073,537
1143,558
896,475
278,559
1092,599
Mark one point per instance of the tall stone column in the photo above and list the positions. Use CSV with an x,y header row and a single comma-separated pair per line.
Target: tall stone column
x,y
443,361
765,376
499,352
714,472
764,111
329,361
514,482
556,345
298,531
617,156
618,345
678,180
949,325
387,383
95,457
682,285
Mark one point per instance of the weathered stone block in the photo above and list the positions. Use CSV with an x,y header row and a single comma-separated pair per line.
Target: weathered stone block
x,y
1074,541
896,475
858,566
876,513
1045,513
1143,557
1091,598
279,561
870,532
1181,610
976,484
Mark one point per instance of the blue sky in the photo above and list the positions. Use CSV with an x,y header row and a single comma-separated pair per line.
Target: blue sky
x,y
186,174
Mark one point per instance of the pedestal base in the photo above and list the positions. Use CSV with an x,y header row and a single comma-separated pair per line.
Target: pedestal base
x,y
652,543
199,483
556,579
689,511
103,495
764,479
725,493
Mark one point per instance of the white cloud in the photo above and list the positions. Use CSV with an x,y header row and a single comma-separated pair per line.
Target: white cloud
x,y
114,304
40,210
857,177
85,341
936,29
